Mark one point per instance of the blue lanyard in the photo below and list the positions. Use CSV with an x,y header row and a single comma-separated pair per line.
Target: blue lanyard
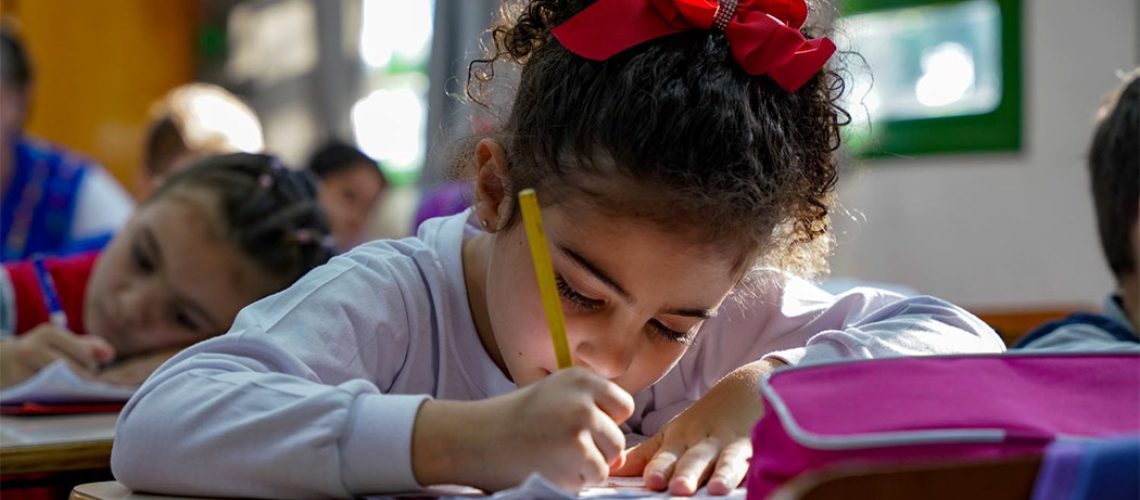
x,y
25,212
51,297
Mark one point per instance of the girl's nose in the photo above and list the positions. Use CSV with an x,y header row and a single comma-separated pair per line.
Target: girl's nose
x,y
607,352
138,306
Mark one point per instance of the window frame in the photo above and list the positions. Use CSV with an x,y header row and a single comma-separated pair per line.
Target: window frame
x,y
999,130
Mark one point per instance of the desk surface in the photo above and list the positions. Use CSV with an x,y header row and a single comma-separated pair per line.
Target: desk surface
x,y
55,443
113,490
1005,479
108,490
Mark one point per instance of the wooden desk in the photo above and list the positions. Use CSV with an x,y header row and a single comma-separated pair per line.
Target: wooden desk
x,y
1006,479
109,490
35,444
1012,324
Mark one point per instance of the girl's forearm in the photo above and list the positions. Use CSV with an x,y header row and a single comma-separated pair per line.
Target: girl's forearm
x,y
443,447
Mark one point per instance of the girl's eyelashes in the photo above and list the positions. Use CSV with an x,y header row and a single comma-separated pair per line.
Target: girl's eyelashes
x,y
184,320
587,304
141,260
575,297
670,334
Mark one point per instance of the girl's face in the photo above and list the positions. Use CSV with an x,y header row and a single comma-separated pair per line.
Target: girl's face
x,y
348,197
634,296
167,279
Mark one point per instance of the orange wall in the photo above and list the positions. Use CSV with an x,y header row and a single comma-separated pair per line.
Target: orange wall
x,y
98,66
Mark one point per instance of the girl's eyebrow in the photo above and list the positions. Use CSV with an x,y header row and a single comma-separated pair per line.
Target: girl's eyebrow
x,y
586,264
598,273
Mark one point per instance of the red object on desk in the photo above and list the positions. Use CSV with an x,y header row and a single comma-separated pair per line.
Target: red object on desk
x,y
60,409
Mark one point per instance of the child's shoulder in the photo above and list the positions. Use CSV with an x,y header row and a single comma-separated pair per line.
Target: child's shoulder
x,y
68,163
430,259
437,241
1109,330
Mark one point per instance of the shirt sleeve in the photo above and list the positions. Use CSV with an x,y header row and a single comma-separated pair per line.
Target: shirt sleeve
x,y
103,206
1080,337
797,323
7,305
290,402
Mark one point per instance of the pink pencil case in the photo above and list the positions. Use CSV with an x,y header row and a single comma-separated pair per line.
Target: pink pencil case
x,y
938,409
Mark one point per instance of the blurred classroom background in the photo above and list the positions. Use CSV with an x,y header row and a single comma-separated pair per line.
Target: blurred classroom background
x,y
963,173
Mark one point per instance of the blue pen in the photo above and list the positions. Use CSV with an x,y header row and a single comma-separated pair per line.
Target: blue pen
x,y
55,311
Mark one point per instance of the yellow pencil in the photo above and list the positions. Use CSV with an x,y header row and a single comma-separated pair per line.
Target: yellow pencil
x,y
540,254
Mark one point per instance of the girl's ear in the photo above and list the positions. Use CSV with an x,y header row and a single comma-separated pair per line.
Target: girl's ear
x,y
492,197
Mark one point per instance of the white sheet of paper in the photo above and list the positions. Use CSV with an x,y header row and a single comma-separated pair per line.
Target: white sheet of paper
x,y
58,384
615,487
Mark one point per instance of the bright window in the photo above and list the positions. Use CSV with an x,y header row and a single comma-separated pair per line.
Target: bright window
x,y
390,120
941,76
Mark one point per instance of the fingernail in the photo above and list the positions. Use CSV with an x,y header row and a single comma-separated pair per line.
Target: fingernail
x,y
681,484
718,485
655,481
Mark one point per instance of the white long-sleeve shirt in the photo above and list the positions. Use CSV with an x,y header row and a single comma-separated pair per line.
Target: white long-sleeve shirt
x,y
314,391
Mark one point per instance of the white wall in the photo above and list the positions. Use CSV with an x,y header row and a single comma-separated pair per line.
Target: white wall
x,y
1013,230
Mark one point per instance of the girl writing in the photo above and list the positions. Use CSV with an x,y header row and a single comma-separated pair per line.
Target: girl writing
x,y
670,167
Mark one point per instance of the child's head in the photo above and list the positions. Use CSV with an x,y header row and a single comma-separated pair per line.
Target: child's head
x,y
1114,171
192,121
666,172
15,85
351,184
217,236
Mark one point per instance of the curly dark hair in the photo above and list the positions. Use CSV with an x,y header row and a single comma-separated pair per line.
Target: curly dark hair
x,y
672,131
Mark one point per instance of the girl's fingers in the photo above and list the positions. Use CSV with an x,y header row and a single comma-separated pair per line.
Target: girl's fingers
x,y
660,467
634,460
694,467
103,350
613,400
79,352
731,467
596,468
608,437
38,359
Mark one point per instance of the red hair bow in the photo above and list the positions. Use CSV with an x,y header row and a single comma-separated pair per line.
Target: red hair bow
x,y
763,35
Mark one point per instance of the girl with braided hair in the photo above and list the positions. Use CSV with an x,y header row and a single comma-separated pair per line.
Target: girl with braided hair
x,y
216,237
682,151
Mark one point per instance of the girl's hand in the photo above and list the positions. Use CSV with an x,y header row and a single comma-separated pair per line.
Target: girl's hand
x,y
710,441
564,427
135,370
26,355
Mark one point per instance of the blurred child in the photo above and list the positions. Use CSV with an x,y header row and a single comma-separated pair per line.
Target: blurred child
x,y
220,235
668,169
351,185
191,121
52,201
1114,174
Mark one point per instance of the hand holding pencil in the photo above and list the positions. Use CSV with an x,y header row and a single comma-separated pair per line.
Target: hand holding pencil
x,y
24,356
566,426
